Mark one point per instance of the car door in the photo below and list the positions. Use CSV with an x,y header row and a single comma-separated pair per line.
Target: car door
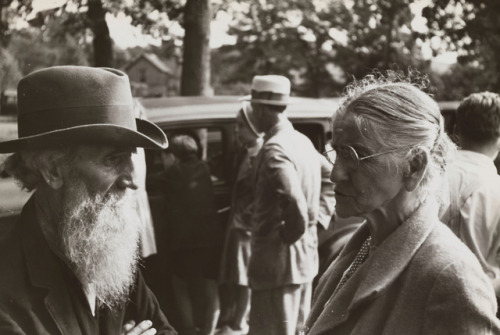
x,y
215,142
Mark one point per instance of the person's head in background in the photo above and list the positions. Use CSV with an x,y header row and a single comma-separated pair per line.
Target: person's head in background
x,y
269,99
478,123
182,147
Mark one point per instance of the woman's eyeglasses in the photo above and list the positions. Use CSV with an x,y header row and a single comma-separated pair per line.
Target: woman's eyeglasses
x,y
348,154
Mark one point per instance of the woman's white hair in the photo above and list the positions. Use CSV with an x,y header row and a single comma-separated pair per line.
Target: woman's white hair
x,y
392,112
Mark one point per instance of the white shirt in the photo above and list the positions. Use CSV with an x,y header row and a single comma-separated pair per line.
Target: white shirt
x,y
479,210
91,297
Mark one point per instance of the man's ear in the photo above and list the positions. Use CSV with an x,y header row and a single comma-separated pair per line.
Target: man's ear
x,y
52,175
416,169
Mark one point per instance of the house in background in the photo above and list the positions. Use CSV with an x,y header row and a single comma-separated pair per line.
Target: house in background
x,y
152,77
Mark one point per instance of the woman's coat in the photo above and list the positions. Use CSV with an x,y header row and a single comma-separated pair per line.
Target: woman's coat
x,y
421,280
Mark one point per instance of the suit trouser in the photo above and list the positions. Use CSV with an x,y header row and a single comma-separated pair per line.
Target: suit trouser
x,y
281,310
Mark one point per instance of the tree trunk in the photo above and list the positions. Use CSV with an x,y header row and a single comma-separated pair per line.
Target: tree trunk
x,y
195,78
102,42
4,23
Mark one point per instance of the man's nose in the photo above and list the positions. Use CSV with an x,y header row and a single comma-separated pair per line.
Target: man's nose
x,y
128,177
128,182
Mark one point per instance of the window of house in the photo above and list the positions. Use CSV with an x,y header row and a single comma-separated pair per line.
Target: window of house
x,y
142,75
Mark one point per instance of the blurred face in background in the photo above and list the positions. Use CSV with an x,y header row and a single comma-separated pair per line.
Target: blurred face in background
x,y
243,132
167,159
257,116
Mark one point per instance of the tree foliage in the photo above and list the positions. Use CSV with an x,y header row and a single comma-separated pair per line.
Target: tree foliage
x,y
471,28
10,10
321,44
9,71
44,50
380,36
195,17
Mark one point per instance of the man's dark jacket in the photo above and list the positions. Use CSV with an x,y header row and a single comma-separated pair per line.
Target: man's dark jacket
x,y
40,295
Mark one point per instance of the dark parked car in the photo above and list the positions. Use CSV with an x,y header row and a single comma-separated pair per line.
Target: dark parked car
x,y
212,120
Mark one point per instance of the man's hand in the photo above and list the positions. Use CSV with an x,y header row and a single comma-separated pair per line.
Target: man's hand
x,y
143,328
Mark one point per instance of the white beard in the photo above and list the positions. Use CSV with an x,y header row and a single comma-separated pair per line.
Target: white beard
x,y
100,239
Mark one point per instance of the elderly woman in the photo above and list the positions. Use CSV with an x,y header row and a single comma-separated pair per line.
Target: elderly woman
x,y
403,271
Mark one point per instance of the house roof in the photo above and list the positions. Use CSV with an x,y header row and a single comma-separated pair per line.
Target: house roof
x,y
153,59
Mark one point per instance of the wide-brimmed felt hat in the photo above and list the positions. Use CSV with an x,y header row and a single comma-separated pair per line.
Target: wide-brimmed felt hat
x,y
73,105
270,90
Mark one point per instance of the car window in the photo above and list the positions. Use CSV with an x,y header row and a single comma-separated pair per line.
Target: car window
x,y
213,151
315,132
210,141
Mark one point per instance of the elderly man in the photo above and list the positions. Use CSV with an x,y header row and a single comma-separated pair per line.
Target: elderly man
x,y
70,265
472,206
287,182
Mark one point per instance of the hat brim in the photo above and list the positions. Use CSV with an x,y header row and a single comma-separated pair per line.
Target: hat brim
x,y
148,135
266,102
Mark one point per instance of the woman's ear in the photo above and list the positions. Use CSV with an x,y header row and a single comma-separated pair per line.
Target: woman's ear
x,y
416,169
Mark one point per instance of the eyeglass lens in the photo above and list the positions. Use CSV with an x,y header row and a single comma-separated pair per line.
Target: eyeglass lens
x,y
349,154
346,152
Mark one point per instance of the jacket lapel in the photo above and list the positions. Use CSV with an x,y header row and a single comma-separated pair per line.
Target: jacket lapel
x,y
379,271
284,125
45,272
322,308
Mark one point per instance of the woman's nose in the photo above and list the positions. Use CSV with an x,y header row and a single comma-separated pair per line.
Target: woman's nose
x,y
339,172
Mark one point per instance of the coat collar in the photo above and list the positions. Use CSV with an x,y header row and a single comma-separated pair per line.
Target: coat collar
x,y
47,271
283,124
378,272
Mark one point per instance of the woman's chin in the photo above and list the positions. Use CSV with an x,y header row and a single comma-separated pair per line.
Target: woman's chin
x,y
345,212
344,208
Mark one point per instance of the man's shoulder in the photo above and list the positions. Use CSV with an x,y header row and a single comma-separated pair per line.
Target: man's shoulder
x,y
9,242
11,262
288,138
474,175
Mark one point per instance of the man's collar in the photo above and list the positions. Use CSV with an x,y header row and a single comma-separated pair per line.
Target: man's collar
x,y
283,124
